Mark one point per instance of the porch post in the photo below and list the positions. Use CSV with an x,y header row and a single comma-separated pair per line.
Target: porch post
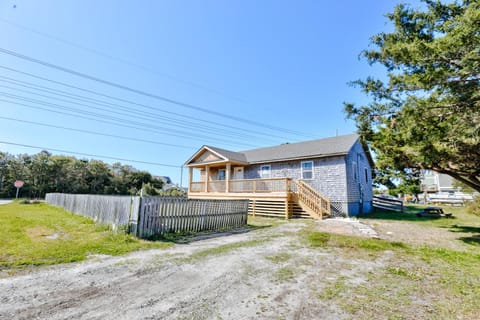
x,y
190,177
227,177
207,177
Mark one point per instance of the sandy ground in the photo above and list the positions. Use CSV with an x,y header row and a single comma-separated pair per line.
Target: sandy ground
x,y
271,274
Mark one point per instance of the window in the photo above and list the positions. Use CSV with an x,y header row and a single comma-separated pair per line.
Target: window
x,y
221,174
366,175
265,172
354,168
307,170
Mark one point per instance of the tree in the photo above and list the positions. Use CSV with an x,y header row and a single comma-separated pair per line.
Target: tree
x,y
427,114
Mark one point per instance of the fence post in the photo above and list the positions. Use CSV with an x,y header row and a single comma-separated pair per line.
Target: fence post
x,y
140,218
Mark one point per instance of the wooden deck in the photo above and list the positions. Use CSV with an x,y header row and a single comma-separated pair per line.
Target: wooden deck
x,y
279,197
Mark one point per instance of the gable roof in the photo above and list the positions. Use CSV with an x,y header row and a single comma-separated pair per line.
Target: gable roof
x,y
230,155
327,147
222,154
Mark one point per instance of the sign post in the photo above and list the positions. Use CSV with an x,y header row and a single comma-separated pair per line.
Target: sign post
x,y
18,184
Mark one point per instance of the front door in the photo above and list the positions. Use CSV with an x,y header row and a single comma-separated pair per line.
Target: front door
x,y
238,173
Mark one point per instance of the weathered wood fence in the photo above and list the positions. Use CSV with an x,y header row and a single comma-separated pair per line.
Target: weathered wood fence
x,y
149,216
115,210
387,204
160,215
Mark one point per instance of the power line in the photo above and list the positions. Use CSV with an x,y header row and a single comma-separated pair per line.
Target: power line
x,y
118,99
120,122
113,110
124,61
91,155
144,93
96,133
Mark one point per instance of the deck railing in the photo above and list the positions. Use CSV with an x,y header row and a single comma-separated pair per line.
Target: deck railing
x,y
312,199
243,186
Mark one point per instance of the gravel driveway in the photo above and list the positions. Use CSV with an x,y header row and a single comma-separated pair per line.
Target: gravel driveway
x,y
266,273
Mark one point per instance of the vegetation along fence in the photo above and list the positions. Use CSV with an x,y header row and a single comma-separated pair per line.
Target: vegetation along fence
x,y
149,216
387,204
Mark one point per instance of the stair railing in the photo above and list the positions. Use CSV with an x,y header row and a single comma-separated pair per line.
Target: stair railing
x,y
307,196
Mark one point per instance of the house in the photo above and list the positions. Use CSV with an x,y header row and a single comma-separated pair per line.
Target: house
x,y
432,181
318,178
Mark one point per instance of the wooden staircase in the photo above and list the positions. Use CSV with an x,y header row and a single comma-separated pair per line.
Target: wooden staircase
x,y
310,200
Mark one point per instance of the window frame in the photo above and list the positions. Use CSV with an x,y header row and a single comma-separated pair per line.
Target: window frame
x,y
263,170
302,171
219,176
355,171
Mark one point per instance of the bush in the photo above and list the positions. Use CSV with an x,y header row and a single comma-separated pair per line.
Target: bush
x,y
474,206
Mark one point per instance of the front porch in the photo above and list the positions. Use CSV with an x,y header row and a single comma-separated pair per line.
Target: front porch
x,y
213,175
268,196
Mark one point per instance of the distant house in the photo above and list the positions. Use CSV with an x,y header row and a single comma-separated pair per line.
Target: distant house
x,y
436,182
331,176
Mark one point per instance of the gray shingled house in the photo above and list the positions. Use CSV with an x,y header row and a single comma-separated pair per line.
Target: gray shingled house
x,y
318,178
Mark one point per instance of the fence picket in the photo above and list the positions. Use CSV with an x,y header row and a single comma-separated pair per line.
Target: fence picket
x,y
148,216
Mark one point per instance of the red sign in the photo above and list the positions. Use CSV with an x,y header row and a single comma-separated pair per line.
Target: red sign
x,y
18,184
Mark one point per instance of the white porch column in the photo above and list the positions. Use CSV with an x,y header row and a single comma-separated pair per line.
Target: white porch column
x,y
190,178
207,177
227,178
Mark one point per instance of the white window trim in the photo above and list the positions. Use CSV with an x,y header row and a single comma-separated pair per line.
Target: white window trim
x,y
313,171
224,175
269,171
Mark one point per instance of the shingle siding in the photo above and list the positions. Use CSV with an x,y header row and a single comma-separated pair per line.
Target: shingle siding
x,y
333,177
359,181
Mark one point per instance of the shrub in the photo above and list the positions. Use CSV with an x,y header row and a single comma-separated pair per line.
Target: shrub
x,y
474,206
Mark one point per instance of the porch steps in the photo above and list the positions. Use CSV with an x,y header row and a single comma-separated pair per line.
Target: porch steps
x,y
316,205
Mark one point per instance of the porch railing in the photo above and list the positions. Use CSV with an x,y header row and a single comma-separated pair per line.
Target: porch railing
x,y
244,186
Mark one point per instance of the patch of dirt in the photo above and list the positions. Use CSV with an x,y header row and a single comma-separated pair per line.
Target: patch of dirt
x,y
39,232
347,226
422,235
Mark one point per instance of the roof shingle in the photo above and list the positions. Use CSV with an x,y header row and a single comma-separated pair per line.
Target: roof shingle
x,y
315,148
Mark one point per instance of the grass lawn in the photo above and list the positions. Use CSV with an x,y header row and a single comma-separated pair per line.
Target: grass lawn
x,y
430,269
40,234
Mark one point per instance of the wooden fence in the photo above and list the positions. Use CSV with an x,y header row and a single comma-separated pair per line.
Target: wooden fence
x,y
114,210
387,204
148,216
160,215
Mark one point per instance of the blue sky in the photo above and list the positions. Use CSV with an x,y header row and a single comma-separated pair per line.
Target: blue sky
x,y
285,65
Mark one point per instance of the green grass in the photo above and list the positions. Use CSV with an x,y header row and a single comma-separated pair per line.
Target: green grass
x,y
279,258
414,281
325,239
39,234
460,216
222,249
284,274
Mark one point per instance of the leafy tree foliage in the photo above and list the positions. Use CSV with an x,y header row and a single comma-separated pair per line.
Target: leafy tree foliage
x,y
44,172
426,114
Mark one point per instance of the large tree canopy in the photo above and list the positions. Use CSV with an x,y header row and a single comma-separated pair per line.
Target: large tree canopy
x,y
427,114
